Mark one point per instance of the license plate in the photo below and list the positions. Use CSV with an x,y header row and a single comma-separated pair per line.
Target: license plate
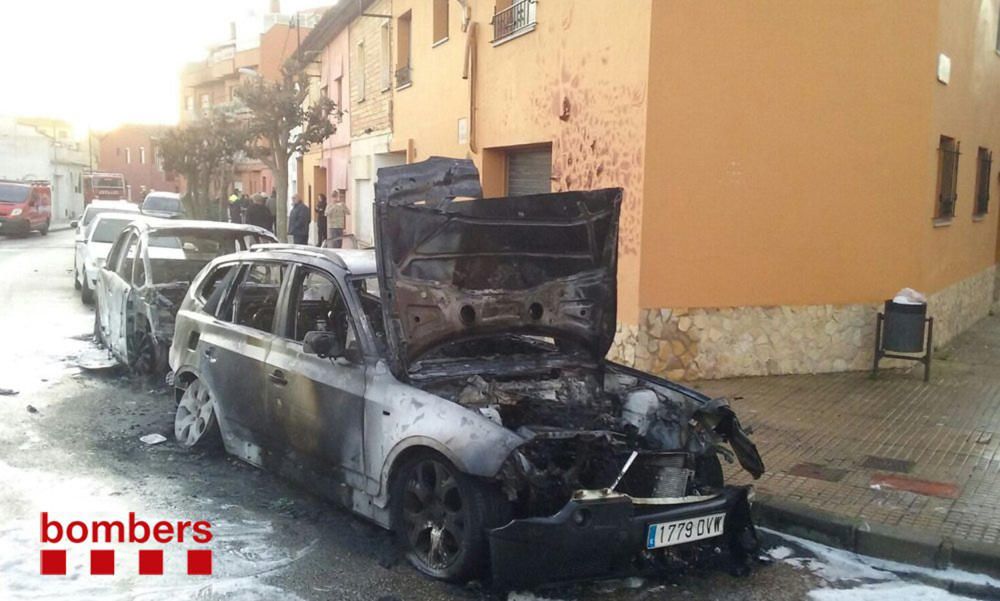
x,y
684,531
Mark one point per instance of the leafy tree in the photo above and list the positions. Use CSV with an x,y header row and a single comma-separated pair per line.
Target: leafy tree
x,y
201,152
282,123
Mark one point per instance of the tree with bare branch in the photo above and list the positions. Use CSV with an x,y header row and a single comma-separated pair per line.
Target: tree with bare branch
x,y
201,152
282,123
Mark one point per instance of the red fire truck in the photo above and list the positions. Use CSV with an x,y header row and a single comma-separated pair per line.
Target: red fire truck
x,y
103,186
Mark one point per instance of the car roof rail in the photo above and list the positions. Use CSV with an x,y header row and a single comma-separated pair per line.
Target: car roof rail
x,y
308,251
274,246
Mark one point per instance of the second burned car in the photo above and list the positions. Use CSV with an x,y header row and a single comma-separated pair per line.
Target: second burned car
x,y
146,274
452,386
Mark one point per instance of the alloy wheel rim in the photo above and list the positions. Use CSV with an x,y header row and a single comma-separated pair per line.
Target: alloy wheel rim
x,y
194,414
434,515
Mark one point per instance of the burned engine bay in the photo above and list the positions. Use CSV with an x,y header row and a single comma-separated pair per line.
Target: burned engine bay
x,y
620,431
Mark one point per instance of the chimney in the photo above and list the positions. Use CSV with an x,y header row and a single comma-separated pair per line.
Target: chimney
x,y
232,30
275,6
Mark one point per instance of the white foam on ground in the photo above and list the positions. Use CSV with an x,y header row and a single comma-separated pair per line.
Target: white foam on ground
x,y
779,553
886,591
526,596
870,577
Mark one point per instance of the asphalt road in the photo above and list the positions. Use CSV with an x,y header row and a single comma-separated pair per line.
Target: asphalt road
x,y
69,446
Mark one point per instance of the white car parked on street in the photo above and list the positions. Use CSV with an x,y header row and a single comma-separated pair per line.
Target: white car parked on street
x,y
92,250
90,212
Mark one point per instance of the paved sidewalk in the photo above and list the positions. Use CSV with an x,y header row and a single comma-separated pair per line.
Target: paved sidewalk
x,y
892,467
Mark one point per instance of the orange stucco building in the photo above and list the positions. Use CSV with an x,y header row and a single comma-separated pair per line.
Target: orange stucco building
x,y
787,165
261,51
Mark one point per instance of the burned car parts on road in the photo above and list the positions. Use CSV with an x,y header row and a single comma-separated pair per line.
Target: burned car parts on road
x,y
452,386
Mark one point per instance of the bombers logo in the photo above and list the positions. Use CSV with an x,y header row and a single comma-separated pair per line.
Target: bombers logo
x,y
103,532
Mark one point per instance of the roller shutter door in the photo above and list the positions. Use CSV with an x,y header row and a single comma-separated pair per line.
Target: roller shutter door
x,y
529,171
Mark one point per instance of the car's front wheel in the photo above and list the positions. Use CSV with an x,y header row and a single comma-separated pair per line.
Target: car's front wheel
x,y
195,423
441,517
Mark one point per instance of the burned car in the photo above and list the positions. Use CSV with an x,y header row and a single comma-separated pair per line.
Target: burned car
x,y
452,387
147,272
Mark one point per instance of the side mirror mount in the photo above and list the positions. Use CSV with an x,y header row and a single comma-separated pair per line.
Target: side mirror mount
x,y
322,344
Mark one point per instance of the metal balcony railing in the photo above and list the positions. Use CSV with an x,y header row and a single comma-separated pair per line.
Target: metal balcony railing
x,y
517,17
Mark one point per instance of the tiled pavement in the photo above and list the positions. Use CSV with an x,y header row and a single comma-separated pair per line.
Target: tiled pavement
x,y
895,451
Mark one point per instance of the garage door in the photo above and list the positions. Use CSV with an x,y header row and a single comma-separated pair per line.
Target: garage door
x,y
529,171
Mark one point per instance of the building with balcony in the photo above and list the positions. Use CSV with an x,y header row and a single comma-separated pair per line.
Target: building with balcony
x,y
786,166
352,47
258,47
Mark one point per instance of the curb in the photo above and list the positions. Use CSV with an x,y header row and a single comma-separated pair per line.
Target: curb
x,y
892,543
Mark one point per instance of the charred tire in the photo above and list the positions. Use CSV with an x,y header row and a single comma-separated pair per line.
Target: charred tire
x,y
195,424
149,356
86,292
441,517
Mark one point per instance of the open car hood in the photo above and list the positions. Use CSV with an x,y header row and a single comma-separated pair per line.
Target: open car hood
x,y
454,266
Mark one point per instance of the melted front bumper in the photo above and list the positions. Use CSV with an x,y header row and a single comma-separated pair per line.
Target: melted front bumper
x,y
606,537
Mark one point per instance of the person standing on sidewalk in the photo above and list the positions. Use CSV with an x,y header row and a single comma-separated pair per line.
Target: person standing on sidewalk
x,y
272,205
321,219
298,221
258,214
336,219
234,207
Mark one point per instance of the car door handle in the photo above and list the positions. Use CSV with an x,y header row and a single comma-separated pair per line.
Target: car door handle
x,y
278,377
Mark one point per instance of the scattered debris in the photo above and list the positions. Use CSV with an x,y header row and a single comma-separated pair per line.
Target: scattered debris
x,y
95,359
984,438
31,409
153,438
7,392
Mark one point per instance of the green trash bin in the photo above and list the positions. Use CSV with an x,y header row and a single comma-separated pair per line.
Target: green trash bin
x,y
904,328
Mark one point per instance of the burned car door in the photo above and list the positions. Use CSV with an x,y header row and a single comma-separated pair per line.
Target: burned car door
x,y
102,290
316,404
119,287
232,360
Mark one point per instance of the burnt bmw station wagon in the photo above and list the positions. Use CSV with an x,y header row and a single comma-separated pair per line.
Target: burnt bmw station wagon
x,y
452,386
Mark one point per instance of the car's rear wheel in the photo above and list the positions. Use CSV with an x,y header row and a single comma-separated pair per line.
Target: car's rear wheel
x,y
44,230
86,292
441,517
195,424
